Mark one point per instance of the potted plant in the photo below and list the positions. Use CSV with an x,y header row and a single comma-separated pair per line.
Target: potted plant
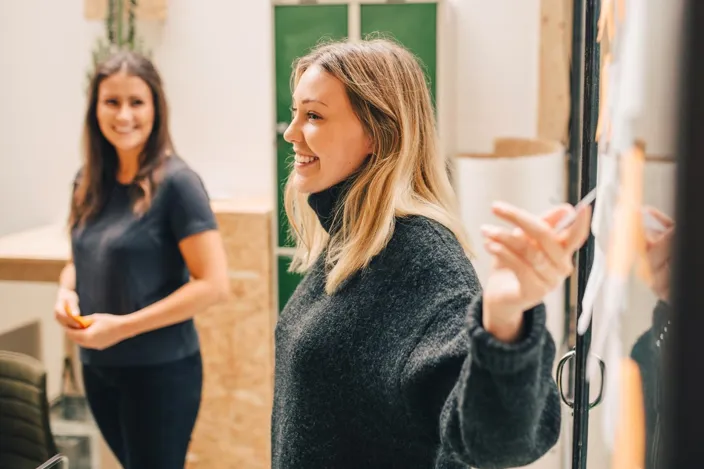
x,y
118,34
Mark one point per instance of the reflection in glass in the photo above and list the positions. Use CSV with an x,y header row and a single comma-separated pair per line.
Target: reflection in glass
x,y
637,160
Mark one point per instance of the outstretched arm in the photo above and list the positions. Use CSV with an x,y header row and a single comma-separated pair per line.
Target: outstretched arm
x,y
504,410
492,368
497,403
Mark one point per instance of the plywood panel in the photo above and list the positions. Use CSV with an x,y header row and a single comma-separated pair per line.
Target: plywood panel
x,y
554,82
233,428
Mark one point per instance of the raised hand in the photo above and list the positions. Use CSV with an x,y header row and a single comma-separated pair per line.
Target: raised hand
x,y
658,253
530,260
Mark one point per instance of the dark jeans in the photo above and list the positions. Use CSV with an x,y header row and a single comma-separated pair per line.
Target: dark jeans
x,y
146,414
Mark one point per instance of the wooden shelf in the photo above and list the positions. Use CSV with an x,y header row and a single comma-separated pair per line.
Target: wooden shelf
x,y
146,9
36,255
39,254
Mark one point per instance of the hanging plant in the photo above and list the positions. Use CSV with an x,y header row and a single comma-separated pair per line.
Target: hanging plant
x,y
118,35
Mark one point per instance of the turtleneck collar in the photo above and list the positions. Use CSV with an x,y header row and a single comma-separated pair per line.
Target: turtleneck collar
x,y
327,202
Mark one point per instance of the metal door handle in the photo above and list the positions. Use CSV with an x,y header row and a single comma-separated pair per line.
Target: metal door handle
x,y
560,366
58,461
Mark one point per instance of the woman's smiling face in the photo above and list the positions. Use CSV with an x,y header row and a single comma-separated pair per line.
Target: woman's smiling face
x,y
327,137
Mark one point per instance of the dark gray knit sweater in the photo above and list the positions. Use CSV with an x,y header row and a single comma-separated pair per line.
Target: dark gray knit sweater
x,y
395,370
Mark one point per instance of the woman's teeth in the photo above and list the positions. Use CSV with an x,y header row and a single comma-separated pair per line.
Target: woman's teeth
x,y
305,159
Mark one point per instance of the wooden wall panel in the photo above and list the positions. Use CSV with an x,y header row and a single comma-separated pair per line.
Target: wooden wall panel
x,y
554,69
233,428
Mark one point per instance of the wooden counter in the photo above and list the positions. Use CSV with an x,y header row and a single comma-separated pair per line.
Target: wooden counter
x,y
36,255
233,427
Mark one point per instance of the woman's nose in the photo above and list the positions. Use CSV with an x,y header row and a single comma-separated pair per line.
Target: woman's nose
x,y
124,113
292,132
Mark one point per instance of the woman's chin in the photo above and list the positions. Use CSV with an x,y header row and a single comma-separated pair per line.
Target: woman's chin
x,y
304,184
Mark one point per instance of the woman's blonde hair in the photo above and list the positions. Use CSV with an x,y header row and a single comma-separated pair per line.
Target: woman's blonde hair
x,y
405,175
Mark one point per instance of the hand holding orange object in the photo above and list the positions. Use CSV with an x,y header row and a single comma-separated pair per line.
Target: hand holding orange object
x,y
105,331
66,310
81,321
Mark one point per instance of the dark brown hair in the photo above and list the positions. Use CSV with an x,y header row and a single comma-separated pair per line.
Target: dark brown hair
x,y
100,162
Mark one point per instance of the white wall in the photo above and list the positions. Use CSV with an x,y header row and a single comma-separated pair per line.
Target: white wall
x,y
217,77
497,71
42,55
216,59
217,67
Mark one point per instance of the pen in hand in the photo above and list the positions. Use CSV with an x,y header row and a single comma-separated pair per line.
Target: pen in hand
x,y
649,220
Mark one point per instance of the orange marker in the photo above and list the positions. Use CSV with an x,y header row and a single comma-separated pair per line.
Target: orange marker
x,y
81,321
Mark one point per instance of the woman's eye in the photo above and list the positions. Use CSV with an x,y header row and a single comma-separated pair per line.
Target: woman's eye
x,y
309,115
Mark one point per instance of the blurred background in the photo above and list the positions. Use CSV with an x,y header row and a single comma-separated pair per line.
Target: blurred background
x,y
500,75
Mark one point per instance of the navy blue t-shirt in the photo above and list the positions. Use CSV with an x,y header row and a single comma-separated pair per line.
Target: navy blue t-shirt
x,y
125,262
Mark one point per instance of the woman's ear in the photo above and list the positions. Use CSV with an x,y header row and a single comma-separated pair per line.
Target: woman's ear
x,y
369,145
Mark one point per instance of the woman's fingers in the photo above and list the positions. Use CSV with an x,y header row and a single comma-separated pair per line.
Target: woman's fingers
x,y
661,217
659,250
574,236
63,309
526,275
556,214
523,248
536,228
515,240
63,319
557,246
76,335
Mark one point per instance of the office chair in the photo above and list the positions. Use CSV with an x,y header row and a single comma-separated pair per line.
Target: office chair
x,y
26,441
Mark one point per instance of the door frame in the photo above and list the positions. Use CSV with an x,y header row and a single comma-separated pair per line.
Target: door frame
x,y
445,87
682,435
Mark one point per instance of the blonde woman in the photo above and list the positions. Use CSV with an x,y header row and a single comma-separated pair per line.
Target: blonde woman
x,y
388,354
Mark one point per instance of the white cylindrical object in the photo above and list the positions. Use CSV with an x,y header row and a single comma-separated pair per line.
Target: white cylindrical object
x,y
531,174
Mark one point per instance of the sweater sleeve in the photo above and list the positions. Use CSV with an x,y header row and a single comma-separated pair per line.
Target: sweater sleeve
x,y
496,404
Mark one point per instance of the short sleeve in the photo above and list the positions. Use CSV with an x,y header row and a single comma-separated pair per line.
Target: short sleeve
x,y
189,205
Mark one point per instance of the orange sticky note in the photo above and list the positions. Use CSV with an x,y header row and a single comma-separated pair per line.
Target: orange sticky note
x,y
80,320
629,447
627,241
603,124
621,10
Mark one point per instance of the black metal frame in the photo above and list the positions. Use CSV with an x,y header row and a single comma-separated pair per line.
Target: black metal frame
x,y
683,438
583,170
